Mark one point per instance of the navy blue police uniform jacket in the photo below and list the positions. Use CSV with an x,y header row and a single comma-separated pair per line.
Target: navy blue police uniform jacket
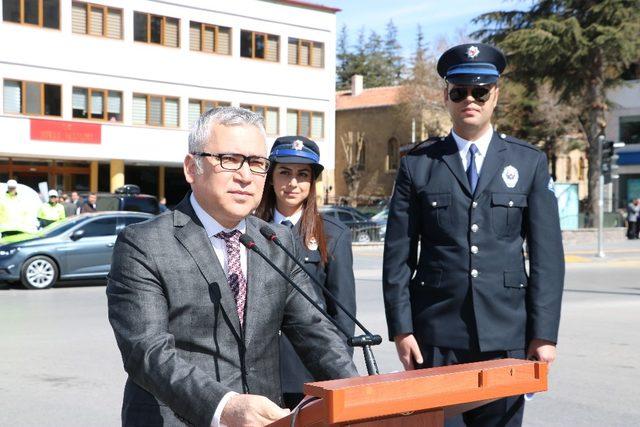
x,y
468,287
337,277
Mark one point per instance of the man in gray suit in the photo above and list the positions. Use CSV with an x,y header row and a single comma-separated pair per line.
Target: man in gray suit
x,y
196,316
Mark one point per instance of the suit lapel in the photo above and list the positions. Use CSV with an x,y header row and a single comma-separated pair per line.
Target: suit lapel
x,y
451,157
493,162
192,235
257,270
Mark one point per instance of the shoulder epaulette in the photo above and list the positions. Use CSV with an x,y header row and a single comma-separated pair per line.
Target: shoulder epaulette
x,y
425,143
517,141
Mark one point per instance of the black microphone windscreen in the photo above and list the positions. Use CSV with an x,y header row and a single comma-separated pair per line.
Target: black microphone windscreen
x,y
268,232
247,241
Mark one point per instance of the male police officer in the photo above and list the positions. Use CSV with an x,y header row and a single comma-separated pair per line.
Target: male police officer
x,y
471,199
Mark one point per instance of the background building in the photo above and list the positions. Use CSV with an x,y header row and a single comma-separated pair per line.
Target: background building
x,y
100,94
375,115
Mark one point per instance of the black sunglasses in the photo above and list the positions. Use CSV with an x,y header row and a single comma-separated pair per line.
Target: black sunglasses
x,y
479,93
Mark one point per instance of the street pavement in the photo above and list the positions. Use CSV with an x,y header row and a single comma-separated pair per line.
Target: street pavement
x,y
60,365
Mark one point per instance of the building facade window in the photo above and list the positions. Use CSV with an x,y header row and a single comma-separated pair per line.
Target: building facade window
x,y
199,106
270,115
305,52
209,38
259,45
305,123
156,29
43,13
32,98
393,151
97,104
630,129
155,110
96,20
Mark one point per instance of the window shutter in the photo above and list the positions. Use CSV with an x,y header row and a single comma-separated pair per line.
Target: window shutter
x,y
293,51
155,111
317,55
305,123
97,103
34,98
271,51
79,99
304,53
115,102
208,43
292,122
171,112
194,36
194,111
317,126
79,18
271,121
114,24
139,115
96,21
224,41
12,99
171,32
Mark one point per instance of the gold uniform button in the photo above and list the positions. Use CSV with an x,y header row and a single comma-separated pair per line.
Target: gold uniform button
x,y
474,228
474,273
474,249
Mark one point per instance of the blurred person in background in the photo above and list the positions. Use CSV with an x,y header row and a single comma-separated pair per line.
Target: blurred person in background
x,y
70,209
290,199
90,206
51,211
13,217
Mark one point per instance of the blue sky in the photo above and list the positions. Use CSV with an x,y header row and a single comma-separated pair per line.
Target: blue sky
x,y
438,18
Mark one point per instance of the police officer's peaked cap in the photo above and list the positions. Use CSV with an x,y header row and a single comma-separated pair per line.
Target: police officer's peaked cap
x,y
472,64
297,149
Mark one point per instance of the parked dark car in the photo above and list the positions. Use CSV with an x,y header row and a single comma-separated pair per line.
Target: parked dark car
x,y
78,247
362,229
128,198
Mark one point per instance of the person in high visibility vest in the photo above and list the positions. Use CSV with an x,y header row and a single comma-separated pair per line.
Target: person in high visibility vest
x,y
14,218
51,211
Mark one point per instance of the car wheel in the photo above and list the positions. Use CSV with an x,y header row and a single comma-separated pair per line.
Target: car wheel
x,y
39,272
363,237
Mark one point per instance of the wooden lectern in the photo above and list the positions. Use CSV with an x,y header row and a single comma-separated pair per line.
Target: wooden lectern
x,y
422,398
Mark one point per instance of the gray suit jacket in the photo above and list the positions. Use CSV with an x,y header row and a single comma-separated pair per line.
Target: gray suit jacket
x,y
175,322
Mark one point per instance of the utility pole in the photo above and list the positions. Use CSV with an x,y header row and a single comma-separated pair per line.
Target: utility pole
x,y
600,252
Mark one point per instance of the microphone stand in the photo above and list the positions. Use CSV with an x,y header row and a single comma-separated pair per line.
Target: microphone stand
x,y
364,341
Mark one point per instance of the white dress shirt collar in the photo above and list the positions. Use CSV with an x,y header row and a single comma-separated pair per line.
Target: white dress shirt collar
x,y
278,217
212,226
482,143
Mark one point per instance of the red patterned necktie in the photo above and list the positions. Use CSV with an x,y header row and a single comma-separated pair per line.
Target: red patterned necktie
x,y
236,279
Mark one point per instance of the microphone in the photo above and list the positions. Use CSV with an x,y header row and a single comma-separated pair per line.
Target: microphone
x,y
250,244
364,341
372,367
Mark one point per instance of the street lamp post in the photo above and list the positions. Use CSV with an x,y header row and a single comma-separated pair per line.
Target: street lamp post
x,y
600,253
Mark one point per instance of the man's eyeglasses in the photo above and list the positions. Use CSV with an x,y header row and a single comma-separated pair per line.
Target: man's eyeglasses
x,y
233,161
479,93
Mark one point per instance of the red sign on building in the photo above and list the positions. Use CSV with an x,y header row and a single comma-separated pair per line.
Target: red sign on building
x,y
55,130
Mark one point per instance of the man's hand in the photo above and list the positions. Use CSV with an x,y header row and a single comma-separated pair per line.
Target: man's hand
x,y
542,350
408,351
251,410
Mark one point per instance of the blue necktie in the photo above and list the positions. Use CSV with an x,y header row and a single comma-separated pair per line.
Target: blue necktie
x,y
287,223
472,172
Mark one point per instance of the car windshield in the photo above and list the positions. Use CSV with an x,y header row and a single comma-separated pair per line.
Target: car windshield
x,y
380,216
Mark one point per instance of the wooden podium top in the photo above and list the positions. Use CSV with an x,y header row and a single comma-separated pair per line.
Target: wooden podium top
x,y
451,388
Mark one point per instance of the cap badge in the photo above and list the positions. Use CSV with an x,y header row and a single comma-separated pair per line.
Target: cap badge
x,y
297,145
472,52
510,176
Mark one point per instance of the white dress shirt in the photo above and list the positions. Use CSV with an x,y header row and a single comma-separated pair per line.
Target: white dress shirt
x,y
278,217
213,227
482,143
